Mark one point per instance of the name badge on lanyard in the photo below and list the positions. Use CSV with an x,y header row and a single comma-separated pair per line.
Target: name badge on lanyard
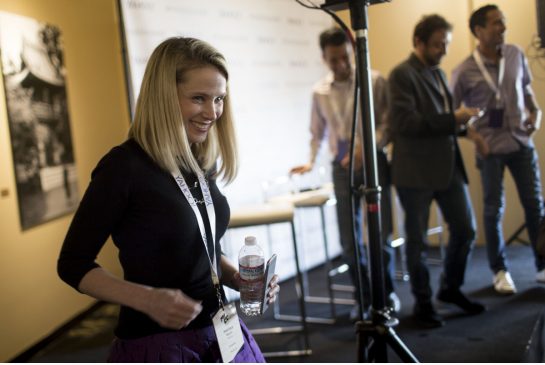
x,y
225,320
496,113
228,332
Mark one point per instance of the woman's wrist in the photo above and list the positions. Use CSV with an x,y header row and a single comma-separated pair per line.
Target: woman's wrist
x,y
232,280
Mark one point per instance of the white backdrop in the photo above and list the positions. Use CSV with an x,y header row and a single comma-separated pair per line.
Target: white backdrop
x,y
274,59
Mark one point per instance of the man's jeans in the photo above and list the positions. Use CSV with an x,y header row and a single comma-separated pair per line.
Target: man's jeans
x,y
524,168
341,183
458,214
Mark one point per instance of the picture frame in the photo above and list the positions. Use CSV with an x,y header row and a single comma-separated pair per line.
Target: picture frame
x,y
34,76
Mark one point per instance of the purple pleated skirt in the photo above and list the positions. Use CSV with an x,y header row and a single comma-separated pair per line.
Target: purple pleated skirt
x,y
199,345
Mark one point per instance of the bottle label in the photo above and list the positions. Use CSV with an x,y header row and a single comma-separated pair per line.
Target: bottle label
x,y
251,273
251,269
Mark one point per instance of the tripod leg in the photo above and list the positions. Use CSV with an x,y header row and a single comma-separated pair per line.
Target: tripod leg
x,y
372,340
371,344
515,236
380,350
399,347
364,343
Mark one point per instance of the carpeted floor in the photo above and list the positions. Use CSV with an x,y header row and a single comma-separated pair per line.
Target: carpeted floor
x,y
501,334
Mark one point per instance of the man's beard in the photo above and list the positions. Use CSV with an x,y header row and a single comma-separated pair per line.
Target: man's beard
x,y
432,62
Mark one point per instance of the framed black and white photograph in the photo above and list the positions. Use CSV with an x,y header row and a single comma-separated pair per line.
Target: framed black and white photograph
x,y
39,123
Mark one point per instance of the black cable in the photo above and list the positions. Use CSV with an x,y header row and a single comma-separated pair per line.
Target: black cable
x,y
352,188
313,6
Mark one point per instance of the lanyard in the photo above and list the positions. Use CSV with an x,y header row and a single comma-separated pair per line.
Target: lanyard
x,y
207,197
486,74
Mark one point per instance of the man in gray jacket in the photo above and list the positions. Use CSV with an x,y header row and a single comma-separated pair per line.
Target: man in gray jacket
x,y
427,165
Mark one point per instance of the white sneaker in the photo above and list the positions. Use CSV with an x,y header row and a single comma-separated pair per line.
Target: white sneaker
x,y
503,283
394,304
540,276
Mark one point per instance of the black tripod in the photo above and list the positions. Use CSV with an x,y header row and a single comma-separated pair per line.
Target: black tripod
x,y
375,334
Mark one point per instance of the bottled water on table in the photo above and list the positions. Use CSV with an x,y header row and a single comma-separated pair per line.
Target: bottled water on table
x,y
251,264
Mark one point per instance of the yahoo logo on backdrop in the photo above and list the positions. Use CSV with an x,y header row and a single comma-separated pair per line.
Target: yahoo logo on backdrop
x,y
294,21
140,4
230,14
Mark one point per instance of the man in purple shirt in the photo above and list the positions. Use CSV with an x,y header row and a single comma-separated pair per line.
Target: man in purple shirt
x,y
496,78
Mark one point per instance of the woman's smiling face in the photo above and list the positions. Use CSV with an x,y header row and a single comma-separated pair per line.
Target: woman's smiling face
x,y
201,95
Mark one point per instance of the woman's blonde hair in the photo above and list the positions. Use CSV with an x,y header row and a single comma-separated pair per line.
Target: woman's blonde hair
x,y
158,126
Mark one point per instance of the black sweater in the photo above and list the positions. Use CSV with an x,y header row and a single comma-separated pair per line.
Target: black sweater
x,y
140,205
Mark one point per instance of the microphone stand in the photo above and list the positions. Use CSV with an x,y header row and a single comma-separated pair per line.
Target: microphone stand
x,y
374,335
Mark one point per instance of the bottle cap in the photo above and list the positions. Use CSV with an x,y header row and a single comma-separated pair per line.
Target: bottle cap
x,y
250,240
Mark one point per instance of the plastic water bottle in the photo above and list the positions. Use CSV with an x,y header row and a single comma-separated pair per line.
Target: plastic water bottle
x,y
251,265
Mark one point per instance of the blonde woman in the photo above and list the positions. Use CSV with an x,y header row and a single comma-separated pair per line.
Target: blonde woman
x,y
156,196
